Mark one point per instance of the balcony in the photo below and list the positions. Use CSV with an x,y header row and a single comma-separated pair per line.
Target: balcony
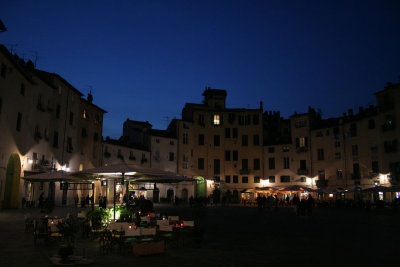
x,y
388,127
302,171
355,176
244,171
321,183
302,149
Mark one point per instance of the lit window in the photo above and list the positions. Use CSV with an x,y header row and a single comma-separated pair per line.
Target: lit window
x,y
217,120
84,115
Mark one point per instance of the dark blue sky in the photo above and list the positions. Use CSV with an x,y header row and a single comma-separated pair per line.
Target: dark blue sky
x,y
146,59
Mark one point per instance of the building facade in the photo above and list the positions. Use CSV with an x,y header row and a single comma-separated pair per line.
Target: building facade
x,y
219,147
44,125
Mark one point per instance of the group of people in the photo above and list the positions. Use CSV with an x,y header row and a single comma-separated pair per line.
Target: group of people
x,y
84,201
302,206
267,202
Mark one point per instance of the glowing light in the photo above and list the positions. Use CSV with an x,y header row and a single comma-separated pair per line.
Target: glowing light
x,y
30,161
217,119
67,169
116,173
265,182
330,195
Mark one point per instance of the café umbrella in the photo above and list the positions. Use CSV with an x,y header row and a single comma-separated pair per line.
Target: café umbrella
x,y
131,172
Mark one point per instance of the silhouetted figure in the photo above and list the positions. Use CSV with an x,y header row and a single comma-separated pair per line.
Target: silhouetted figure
x,y
259,202
41,200
191,201
137,219
263,202
310,205
296,203
303,207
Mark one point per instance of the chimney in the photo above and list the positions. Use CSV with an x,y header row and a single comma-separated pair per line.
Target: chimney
x,y
90,97
360,110
261,105
350,111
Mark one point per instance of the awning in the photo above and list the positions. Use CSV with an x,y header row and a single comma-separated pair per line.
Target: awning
x,y
52,176
131,172
293,188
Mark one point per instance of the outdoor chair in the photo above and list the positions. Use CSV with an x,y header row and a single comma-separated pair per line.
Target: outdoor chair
x,y
40,231
29,223
166,232
105,242
148,233
132,235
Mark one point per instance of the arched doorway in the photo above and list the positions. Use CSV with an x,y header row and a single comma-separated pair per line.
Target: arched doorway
x,y
13,177
156,195
185,195
200,187
170,195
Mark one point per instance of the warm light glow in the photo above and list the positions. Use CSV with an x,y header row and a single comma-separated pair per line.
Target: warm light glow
x,y
265,182
330,195
30,161
217,119
67,169
383,178
117,173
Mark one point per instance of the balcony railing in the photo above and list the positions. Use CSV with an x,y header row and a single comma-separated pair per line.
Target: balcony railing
x,y
244,171
302,149
321,183
388,127
302,171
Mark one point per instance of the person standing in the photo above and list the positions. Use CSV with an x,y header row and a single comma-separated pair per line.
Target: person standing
x,y
296,203
310,205
41,200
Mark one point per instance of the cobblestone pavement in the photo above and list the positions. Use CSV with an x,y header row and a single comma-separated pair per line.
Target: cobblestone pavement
x,y
236,236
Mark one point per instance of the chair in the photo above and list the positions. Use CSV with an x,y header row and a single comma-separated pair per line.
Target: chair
x,y
148,233
167,234
105,242
28,223
40,231
132,236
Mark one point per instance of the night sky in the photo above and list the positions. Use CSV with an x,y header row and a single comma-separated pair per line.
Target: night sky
x,y
146,59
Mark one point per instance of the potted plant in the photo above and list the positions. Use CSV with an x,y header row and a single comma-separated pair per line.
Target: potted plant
x,y
98,217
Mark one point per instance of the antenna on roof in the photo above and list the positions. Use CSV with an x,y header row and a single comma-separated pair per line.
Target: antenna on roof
x,y
11,47
166,119
36,57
